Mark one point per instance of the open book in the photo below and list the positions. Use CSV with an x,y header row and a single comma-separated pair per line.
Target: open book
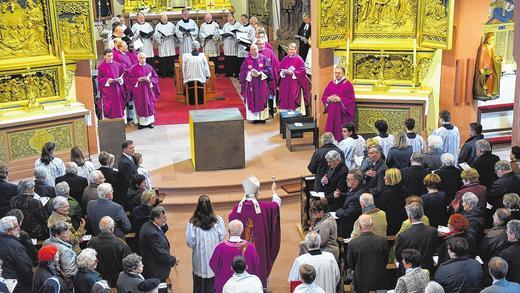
x,y
317,194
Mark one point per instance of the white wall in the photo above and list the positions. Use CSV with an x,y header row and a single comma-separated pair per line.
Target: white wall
x,y
240,7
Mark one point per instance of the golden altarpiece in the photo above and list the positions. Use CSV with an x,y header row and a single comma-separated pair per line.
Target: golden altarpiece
x,y
392,52
40,41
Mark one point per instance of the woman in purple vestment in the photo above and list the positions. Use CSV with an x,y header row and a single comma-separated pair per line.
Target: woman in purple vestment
x,y
293,80
339,102
112,92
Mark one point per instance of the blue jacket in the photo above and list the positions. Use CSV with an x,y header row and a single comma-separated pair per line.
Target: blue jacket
x,y
502,286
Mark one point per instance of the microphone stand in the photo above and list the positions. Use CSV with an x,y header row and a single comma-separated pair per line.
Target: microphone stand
x,y
315,136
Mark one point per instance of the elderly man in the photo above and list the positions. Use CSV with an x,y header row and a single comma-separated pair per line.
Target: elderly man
x,y
449,133
512,254
351,208
230,45
209,36
76,183
104,206
130,277
507,182
367,255
61,214
294,85
498,269
110,80
262,221
468,153
318,165
254,88
379,224
242,281
144,31
122,57
90,193
485,163
475,216
155,247
144,84
111,251
432,157
7,190
223,255
186,31
195,70
375,175
327,276
334,180
275,65
413,175
450,177
165,38
41,187
16,262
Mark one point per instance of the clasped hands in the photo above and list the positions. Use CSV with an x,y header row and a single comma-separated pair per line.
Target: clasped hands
x,y
144,79
334,99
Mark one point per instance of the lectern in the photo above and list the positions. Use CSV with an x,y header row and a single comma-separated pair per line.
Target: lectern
x,y
217,139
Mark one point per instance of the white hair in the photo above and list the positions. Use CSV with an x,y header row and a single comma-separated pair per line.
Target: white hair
x,y
235,228
71,168
7,223
59,202
40,173
94,176
366,199
470,198
62,189
312,240
433,287
142,54
87,259
104,189
435,142
447,159
106,224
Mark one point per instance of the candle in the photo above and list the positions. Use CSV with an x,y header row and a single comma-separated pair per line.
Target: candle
x,y
415,51
63,64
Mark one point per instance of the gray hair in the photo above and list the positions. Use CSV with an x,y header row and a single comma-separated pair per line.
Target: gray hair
x,y
333,155
312,240
235,228
417,157
328,137
435,142
59,228
7,223
87,259
25,185
71,168
40,173
513,227
433,287
470,198
59,202
94,176
511,200
502,165
195,45
447,160
104,189
483,145
62,189
131,262
292,45
142,54
366,199
106,224
415,211
4,171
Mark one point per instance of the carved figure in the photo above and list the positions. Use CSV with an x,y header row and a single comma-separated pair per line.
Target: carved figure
x,y
487,69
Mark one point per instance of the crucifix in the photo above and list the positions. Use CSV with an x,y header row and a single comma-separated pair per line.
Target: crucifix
x,y
210,5
381,81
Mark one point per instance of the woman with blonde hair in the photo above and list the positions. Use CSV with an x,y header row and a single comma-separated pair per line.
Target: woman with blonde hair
x,y
471,183
434,201
399,155
392,200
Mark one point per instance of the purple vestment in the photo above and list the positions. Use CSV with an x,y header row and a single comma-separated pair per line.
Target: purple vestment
x,y
263,230
339,113
256,91
144,95
112,99
133,57
275,64
222,259
124,59
290,89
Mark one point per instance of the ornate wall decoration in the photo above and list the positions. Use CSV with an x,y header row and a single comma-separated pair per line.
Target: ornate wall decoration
x,y
28,87
367,115
69,78
333,25
435,24
29,143
3,152
423,66
81,135
75,28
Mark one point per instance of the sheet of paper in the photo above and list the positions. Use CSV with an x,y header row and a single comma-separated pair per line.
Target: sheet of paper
x,y
436,259
86,237
310,178
347,240
11,283
34,241
488,206
299,124
333,214
163,285
45,200
358,159
464,166
443,229
477,258
318,194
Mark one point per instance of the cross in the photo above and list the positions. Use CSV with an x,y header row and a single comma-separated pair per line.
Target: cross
x,y
210,4
380,82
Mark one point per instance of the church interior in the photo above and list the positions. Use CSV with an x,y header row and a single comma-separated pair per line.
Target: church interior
x,y
203,136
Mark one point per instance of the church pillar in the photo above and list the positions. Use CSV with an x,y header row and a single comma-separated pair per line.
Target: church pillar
x,y
457,98
516,54
85,95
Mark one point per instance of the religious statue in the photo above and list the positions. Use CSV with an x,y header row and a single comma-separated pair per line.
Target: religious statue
x,y
487,70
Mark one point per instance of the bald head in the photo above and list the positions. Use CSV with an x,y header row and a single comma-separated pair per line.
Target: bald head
x,y
365,223
106,224
235,228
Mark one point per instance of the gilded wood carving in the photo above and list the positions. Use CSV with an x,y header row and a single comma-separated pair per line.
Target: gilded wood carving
x,y
26,88
435,29
333,26
395,117
75,27
29,143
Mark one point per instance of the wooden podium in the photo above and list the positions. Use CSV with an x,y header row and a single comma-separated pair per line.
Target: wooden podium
x,y
217,139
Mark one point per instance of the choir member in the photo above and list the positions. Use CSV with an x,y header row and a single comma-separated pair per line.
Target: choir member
x,y
209,37
250,38
144,31
229,39
164,36
195,70
186,31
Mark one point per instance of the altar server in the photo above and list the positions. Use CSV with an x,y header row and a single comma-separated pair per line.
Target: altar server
x,y
413,138
112,92
449,133
209,37
229,39
195,70
273,81
164,36
261,224
186,31
245,37
254,75
339,102
143,82
293,85
143,31
352,145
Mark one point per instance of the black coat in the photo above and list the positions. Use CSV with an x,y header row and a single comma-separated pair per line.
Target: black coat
x,y
155,250
111,251
392,201
112,177
376,184
468,153
435,208
432,159
485,165
7,191
413,177
450,181
443,248
475,218
399,158
508,183
76,183
85,280
43,189
420,237
350,211
303,48
318,164
337,180
17,263
44,272
127,169
491,245
512,256
460,274
367,255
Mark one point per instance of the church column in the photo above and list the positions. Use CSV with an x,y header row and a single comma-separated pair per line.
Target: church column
x,y
84,95
516,54
322,67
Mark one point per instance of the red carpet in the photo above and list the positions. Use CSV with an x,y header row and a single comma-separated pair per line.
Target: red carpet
x,y
169,111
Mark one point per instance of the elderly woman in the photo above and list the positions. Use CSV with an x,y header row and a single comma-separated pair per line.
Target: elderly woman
x,y
434,201
135,191
131,275
24,238
33,210
406,223
85,167
75,212
61,215
86,276
459,226
41,187
399,155
325,225
511,202
90,193
53,165
60,237
47,278
204,232
450,177
470,184
392,200
432,158
76,183
475,216
334,179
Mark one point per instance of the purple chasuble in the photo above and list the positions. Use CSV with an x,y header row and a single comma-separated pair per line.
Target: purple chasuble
x,y
133,57
222,260
144,96
124,59
275,64
263,230
339,113
290,88
112,96
256,91
269,46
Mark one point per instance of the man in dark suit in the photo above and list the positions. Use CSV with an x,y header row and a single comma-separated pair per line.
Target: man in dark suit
x,y
367,255
375,175
76,183
468,153
485,163
419,236
305,32
507,182
451,181
333,180
413,176
318,165
111,175
126,168
7,190
155,247
41,187
351,208
512,253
